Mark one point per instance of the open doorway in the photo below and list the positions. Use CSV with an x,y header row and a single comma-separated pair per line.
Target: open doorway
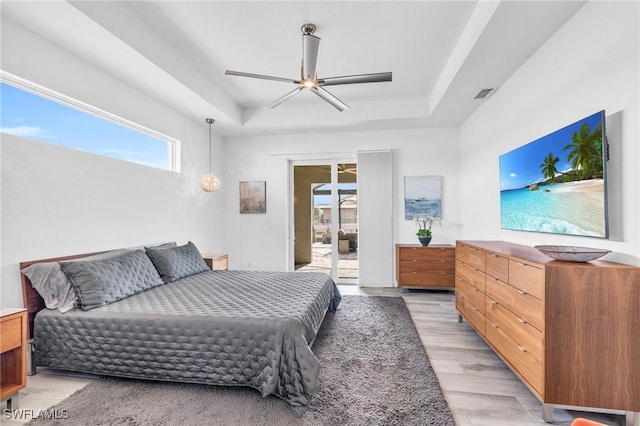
x,y
326,220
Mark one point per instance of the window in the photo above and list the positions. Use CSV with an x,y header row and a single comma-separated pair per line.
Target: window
x,y
33,112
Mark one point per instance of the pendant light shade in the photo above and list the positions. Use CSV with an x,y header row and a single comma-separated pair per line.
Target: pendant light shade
x,y
209,182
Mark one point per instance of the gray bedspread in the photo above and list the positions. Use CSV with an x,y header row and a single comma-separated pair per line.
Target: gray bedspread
x,y
217,327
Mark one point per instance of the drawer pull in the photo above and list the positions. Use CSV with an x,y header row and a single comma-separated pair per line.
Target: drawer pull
x,y
443,273
414,273
494,325
414,260
522,320
522,264
522,292
493,302
493,278
442,261
494,255
474,289
475,308
522,348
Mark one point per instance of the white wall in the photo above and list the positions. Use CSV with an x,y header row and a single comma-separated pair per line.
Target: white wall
x,y
259,241
57,201
588,65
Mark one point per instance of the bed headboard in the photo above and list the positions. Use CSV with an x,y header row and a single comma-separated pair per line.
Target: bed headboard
x,y
33,302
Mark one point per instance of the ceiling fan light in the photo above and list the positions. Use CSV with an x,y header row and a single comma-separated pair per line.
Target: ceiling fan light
x,y
308,83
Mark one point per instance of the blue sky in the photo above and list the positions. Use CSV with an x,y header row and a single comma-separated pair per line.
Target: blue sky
x,y
521,167
326,199
31,116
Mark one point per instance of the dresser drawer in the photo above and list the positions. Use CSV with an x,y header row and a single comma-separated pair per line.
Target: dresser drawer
x,y
427,266
470,274
523,305
528,337
427,253
438,279
473,294
527,278
471,256
470,311
522,361
10,334
497,266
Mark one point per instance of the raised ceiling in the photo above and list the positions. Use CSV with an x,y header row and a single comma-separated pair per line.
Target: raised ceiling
x,y
441,54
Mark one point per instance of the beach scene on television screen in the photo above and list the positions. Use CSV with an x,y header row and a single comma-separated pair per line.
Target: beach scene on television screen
x,y
556,184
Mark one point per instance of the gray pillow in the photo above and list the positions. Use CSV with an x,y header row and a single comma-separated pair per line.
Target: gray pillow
x,y
174,263
52,284
100,282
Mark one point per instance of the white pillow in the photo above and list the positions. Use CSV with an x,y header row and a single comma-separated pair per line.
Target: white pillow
x,y
52,284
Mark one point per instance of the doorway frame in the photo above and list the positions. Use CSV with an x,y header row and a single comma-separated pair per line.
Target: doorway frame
x,y
321,160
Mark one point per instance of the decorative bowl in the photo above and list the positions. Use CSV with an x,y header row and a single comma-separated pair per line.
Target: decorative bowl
x,y
572,253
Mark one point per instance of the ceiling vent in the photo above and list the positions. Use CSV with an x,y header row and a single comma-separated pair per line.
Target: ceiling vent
x,y
483,93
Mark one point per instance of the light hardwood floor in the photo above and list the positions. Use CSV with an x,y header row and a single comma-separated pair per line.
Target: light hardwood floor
x,y
479,387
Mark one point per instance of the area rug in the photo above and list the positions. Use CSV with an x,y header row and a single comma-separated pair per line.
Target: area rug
x,y
374,372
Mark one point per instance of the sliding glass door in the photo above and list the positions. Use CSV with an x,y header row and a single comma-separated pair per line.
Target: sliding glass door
x,y
325,218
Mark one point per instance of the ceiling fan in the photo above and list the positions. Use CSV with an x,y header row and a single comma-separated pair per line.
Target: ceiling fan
x,y
308,78
347,168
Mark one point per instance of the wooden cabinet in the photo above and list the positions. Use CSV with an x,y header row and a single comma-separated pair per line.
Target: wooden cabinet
x,y
13,354
425,267
216,261
570,331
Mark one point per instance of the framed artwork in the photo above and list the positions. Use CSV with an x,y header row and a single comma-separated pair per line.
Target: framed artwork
x,y
253,197
422,197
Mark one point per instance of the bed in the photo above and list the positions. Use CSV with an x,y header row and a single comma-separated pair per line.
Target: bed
x,y
231,328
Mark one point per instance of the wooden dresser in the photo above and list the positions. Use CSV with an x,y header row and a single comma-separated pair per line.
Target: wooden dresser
x,y
425,267
13,354
570,331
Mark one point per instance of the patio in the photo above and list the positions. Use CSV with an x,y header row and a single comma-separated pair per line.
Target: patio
x,y
321,262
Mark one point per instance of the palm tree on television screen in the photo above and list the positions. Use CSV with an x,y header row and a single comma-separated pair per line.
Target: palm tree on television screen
x,y
584,152
548,167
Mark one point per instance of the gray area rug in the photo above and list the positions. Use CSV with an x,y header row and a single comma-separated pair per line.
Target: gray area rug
x,y
374,372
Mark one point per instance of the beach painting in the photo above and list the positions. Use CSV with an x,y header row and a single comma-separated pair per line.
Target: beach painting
x,y
422,197
556,184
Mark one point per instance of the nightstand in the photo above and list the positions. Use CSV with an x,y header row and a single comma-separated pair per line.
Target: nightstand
x,y
13,354
216,261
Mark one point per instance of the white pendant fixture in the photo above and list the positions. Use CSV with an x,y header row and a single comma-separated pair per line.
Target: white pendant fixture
x,y
209,182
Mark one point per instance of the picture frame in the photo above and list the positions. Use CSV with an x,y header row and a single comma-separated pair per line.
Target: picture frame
x,y
253,197
422,197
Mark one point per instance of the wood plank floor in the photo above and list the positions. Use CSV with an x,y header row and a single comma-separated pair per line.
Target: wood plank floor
x,y
478,386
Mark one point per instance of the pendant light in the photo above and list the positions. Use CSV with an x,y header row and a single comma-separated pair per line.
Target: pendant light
x,y
209,182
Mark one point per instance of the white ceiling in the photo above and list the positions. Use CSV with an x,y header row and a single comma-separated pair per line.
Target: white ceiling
x,y
441,54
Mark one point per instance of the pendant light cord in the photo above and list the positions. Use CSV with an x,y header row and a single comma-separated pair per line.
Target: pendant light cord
x,y
210,121
209,147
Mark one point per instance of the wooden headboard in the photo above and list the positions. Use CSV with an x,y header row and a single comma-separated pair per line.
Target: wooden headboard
x,y
33,302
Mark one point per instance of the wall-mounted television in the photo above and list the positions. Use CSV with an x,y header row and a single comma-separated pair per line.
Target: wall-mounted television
x,y
557,184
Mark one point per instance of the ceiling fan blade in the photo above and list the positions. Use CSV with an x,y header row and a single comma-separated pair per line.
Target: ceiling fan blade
x,y
350,79
260,76
337,103
310,47
281,99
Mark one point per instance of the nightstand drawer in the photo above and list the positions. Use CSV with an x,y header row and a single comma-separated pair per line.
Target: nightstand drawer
x,y
10,334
